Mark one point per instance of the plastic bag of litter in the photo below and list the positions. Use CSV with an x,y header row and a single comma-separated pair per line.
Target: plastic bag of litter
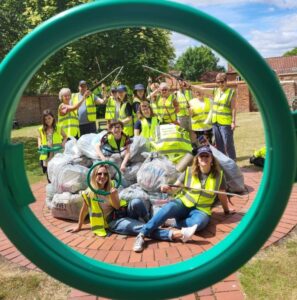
x,y
138,146
71,148
66,206
56,164
71,178
86,144
134,192
83,161
131,172
156,171
233,176
49,194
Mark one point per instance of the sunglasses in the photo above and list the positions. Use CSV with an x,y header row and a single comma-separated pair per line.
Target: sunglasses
x,y
102,174
164,90
204,155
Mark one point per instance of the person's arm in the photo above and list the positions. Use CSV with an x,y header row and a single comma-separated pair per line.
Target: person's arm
x,y
224,201
135,107
172,190
114,198
203,90
64,109
64,137
233,110
99,152
39,144
82,215
99,101
125,160
175,105
137,128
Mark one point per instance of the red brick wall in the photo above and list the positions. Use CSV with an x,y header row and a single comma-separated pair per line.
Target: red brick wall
x,y
289,88
30,109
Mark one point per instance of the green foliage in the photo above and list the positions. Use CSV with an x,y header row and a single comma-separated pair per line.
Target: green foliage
x,y
130,47
195,61
291,52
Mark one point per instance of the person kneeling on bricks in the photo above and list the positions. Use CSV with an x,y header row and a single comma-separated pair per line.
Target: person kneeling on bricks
x,y
192,208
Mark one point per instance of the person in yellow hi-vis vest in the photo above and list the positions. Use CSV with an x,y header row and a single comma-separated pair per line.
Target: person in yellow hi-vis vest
x,y
223,114
165,106
115,141
67,114
110,212
87,110
124,111
191,208
111,105
201,114
183,96
49,135
147,122
139,96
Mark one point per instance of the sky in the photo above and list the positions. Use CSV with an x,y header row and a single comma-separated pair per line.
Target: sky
x,y
270,26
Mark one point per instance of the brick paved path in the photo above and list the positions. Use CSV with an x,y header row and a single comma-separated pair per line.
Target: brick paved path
x,y
116,249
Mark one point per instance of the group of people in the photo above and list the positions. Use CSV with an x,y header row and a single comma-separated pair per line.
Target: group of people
x,y
201,111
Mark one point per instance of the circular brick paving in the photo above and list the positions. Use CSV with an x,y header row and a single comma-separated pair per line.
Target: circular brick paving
x,y
117,249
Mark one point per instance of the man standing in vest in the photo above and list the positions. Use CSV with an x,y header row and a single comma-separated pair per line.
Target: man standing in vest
x,y
223,114
184,95
87,111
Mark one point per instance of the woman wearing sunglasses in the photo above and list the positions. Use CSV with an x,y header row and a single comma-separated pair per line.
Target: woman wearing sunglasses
x,y
110,212
191,208
147,122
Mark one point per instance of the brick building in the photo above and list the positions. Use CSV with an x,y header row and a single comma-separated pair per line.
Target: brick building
x,y
286,70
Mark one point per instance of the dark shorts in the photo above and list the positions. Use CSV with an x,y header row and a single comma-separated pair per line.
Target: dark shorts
x,y
87,128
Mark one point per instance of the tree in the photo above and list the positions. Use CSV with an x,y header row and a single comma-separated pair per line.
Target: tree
x,y
129,47
195,61
291,52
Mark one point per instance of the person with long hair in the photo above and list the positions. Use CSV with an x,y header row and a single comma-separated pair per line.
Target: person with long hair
x,y
115,141
67,114
110,211
191,208
147,122
49,135
139,96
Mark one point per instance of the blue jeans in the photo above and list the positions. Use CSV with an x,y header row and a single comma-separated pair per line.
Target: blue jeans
x,y
224,139
131,225
184,217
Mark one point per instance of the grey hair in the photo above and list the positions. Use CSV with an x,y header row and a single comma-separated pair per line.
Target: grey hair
x,y
64,91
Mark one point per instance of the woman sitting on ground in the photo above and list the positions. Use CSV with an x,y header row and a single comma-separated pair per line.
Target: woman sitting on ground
x,y
192,208
147,122
115,142
111,212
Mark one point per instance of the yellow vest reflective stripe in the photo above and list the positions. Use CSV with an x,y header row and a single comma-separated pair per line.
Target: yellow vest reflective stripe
x,y
200,199
128,128
222,113
110,111
165,109
97,220
200,113
57,139
69,123
90,104
175,145
183,102
135,100
261,152
113,144
149,130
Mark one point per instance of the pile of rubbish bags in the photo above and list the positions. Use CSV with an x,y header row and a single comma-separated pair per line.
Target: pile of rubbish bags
x,y
68,172
144,174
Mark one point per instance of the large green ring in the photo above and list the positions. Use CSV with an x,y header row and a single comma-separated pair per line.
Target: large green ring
x,y
99,278
118,180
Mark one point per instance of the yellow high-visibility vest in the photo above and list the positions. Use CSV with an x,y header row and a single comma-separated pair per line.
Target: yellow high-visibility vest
x,y
222,113
113,144
200,112
69,123
128,128
149,130
57,139
200,199
183,102
261,152
90,104
110,111
165,109
135,100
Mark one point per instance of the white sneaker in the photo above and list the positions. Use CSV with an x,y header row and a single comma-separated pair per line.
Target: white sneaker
x,y
188,233
139,243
